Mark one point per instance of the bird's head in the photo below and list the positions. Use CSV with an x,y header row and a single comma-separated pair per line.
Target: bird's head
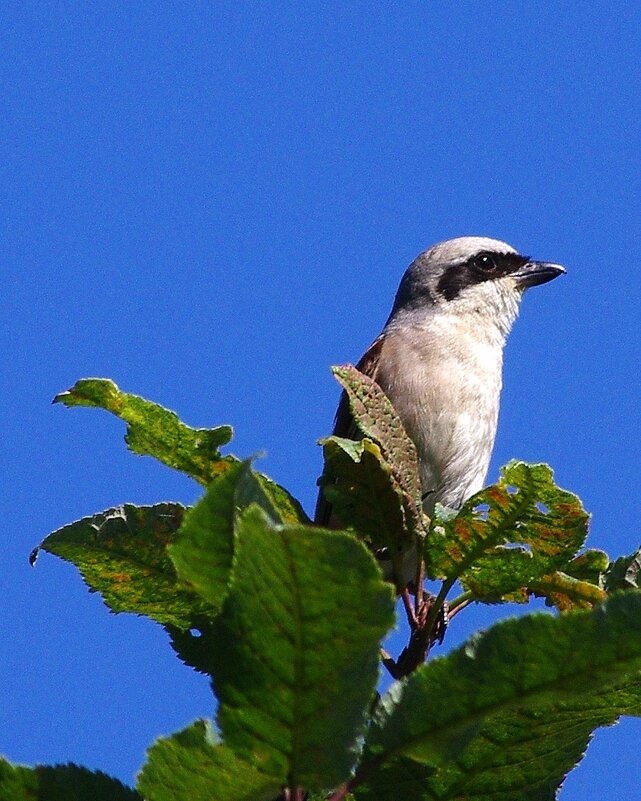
x,y
470,275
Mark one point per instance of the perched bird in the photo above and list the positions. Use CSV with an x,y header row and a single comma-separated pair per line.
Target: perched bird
x,y
439,360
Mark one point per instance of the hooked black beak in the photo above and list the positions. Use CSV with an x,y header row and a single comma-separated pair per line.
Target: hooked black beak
x,y
537,272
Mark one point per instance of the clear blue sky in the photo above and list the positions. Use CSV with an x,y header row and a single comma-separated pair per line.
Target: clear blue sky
x,y
213,202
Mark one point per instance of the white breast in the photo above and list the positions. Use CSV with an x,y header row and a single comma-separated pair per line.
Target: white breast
x,y
444,379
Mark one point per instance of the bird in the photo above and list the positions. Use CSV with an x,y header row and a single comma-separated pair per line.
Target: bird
x,y
439,360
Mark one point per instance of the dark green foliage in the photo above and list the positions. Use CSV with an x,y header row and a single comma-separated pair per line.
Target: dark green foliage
x,y
623,573
60,783
362,495
193,765
522,701
383,468
297,661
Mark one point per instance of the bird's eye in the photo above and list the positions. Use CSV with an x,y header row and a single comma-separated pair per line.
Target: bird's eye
x,y
485,262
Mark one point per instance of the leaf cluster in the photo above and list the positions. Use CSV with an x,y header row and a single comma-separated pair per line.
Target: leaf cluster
x,y
287,619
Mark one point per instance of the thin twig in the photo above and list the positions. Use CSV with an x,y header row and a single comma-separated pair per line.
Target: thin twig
x,y
435,610
436,606
460,608
420,575
422,637
409,609
460,602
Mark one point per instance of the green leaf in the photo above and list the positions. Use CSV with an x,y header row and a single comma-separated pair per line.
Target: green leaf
x,y
512,711
60,783
567,593
589,566
273,499
121,553
204,546
401,778
192,766
197,645
375,416
357,482
508,535
580,585
155,431
297,659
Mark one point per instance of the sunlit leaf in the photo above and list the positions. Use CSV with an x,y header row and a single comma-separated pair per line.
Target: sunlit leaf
x,y
508,535
122,554
273,499
566,592
203,548
589,566
297,659
155,431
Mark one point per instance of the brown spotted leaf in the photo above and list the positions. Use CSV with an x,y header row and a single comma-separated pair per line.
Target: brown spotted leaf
x,y
508,536
591,565
155,431
376,419
122,554
580,585
567,593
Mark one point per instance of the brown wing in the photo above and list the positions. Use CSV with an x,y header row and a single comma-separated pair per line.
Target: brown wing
x,y
344,425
